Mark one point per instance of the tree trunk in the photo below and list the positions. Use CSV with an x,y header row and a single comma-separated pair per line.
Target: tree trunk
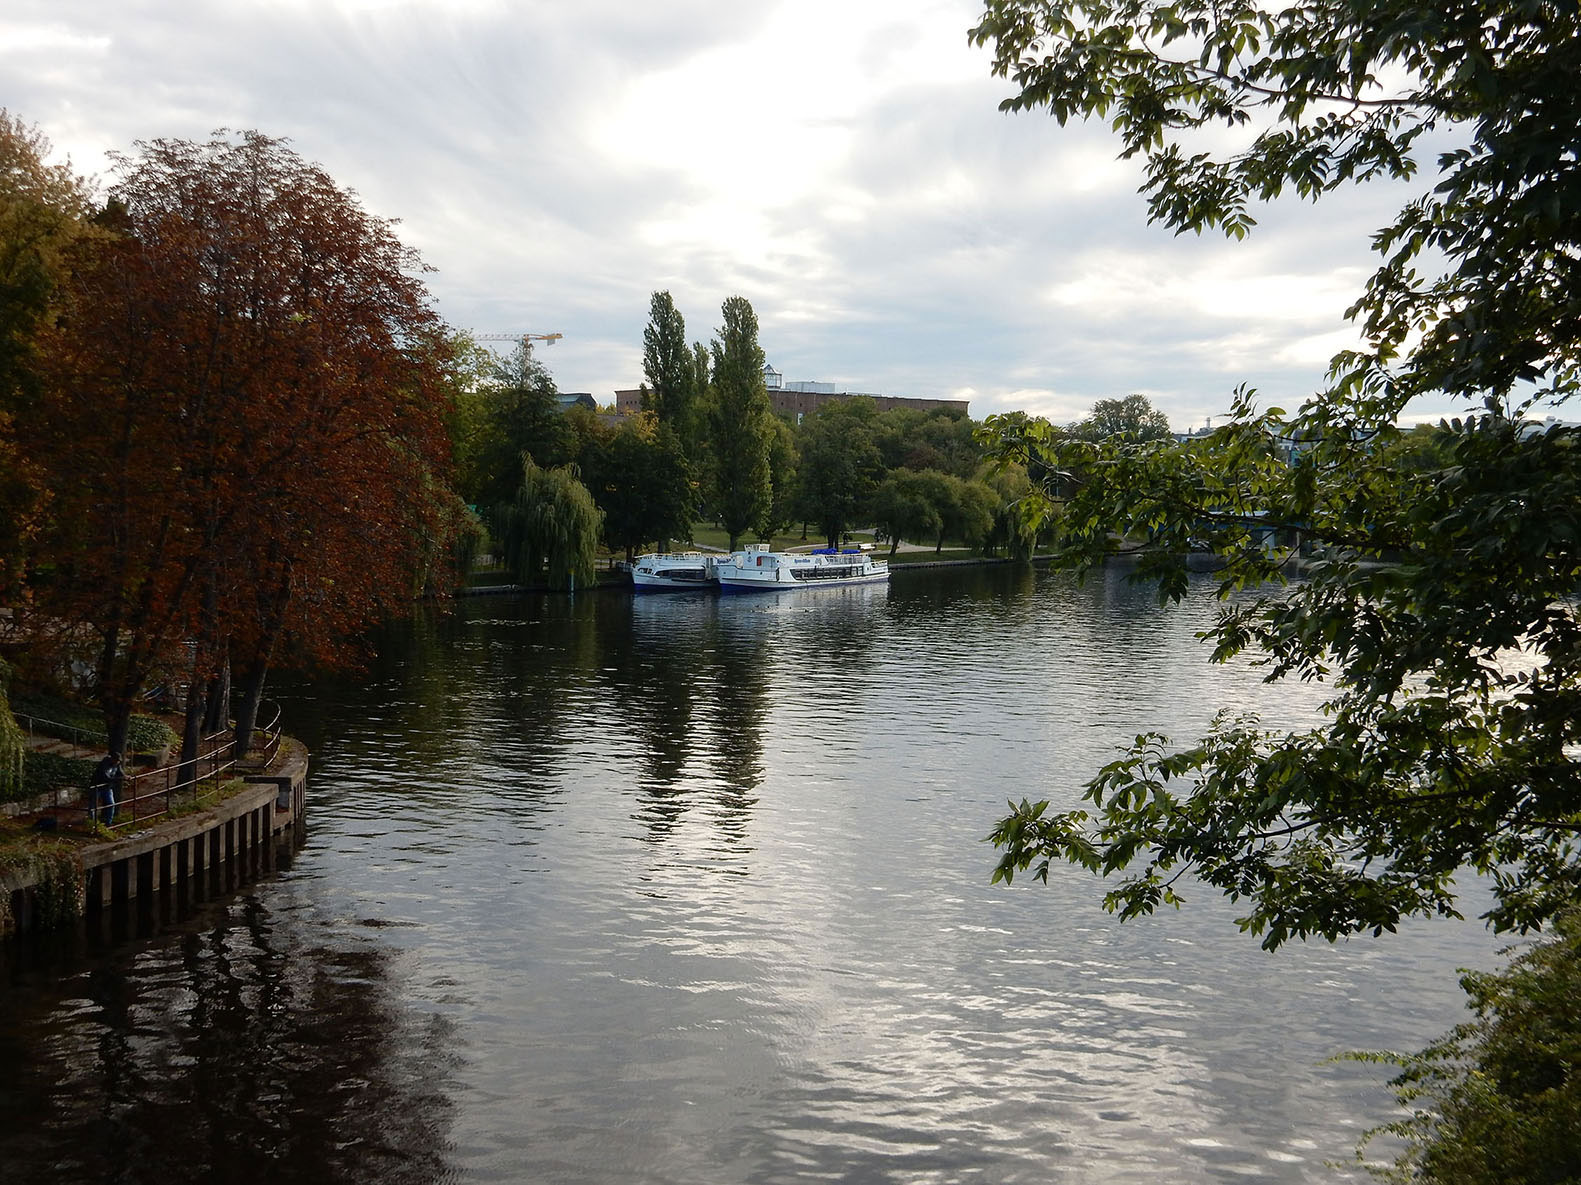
x,y
192,733
117,721
117,711
256,668
219,701
252,687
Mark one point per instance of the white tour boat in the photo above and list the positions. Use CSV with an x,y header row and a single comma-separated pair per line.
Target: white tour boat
x,y
661,571
759,569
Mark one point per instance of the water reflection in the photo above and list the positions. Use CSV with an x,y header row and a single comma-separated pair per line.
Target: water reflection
x,y
692,889
653,677
231,1047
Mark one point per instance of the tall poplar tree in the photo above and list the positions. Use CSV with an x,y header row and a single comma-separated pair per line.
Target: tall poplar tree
x,y
668,363
743,485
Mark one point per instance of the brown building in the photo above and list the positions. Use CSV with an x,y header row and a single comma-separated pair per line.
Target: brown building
x,y
799,399
797,404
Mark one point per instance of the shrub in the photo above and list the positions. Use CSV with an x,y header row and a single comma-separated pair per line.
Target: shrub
x,y
146,734
81,724
42,772
1497,1101
57,877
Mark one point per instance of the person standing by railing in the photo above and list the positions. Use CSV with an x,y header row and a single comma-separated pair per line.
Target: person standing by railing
x,y
104,789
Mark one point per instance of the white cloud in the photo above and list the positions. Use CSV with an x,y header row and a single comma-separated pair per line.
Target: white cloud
x,y
19,39
842,165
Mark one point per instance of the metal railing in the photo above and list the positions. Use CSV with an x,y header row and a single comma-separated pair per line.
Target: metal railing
x,y
146,794
180,785
266,737
87,738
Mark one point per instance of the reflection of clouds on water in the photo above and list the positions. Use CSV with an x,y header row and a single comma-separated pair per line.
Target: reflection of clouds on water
x,y
721,911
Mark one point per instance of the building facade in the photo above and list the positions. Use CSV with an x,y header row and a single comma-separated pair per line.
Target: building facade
x,y
801,399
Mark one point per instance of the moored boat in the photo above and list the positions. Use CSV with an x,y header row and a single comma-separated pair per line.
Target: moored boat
x,y
758,569
662,571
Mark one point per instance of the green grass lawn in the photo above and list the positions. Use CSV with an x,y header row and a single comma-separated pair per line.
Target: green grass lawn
x,y
708,535
901,558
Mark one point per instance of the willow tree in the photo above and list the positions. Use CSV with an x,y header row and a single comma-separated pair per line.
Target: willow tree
x,y
549,531
515,411
902,508
12,742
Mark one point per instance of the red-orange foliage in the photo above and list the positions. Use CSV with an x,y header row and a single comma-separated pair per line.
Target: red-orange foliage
x,y
245,424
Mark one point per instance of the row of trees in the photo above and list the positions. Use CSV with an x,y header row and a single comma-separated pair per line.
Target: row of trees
x,y
223,399
708,446
913,475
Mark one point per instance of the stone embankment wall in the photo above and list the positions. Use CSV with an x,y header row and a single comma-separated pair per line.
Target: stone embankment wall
x,y
246,826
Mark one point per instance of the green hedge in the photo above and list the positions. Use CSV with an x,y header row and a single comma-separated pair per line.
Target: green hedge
x,y
83,725
43,772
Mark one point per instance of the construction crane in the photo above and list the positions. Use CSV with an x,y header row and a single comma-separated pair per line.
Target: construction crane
x,y
548,339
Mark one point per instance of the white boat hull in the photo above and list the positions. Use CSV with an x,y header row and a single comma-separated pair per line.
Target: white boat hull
x,y
758,570
680,572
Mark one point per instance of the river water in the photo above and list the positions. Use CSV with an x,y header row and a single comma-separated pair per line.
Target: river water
x,y
688,889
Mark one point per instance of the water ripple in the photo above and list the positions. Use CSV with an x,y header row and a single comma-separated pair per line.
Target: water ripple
x,y
692,890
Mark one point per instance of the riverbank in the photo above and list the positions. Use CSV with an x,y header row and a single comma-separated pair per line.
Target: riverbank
x,y
911,558
914,558
52,874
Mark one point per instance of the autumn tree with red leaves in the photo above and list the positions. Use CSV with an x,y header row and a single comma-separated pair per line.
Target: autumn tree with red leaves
x,y
243,425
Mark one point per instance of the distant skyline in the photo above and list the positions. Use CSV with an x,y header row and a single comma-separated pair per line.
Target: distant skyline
x,y
844,167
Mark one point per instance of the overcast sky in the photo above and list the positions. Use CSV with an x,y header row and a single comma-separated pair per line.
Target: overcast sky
x,y
840,163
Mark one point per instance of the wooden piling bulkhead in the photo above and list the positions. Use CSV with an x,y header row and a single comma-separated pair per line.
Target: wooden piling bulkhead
x,y
173,852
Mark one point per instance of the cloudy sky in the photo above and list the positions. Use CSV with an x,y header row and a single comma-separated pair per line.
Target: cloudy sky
x,y
843,165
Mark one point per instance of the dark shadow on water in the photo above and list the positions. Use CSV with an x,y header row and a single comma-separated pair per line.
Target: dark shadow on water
x,y
189,1040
